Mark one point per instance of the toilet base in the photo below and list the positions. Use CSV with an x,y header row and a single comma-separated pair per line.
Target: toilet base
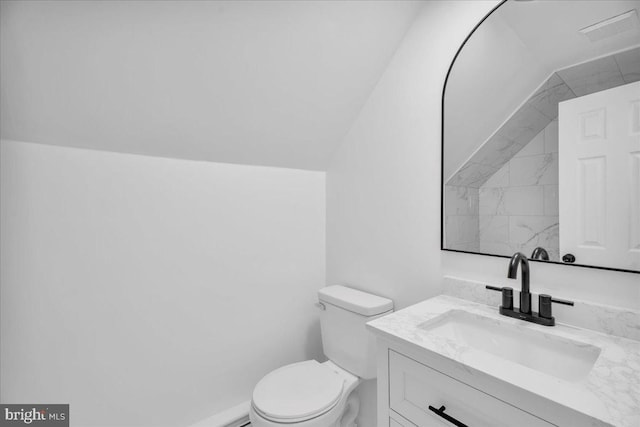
x,y
352,407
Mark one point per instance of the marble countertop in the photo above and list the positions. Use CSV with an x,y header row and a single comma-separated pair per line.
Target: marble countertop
x,y
610,394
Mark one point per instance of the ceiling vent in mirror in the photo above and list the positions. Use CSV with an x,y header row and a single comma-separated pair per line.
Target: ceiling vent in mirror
x,y
612,26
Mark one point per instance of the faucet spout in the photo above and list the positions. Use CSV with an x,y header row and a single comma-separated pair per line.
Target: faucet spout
x,y
544,316
520,259
540,253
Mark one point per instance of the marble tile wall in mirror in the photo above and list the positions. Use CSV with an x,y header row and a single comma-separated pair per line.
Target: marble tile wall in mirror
x,y
501,182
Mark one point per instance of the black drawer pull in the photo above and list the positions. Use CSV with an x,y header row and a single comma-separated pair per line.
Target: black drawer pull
x,y
440,413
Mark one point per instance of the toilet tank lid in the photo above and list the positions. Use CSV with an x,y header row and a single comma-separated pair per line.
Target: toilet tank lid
x,y
354,300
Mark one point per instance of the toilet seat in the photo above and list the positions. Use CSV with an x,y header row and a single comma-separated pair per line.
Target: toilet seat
x,y
298,392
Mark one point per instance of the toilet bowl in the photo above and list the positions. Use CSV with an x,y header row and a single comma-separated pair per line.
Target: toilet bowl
x,y
313,394
306,394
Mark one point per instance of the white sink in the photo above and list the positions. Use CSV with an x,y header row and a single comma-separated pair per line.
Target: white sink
x,y
560,357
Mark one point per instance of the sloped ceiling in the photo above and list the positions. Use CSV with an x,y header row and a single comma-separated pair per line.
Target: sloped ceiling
x,y
511,53
273,83
541,108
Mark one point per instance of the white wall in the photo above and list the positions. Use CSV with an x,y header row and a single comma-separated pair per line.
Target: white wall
x,y
383,187
150,291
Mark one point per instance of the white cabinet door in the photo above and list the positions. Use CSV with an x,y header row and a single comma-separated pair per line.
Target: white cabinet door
x,y
599,161
394,423
413,387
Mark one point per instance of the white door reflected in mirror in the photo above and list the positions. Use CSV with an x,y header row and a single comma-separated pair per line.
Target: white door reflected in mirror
x,y
600,177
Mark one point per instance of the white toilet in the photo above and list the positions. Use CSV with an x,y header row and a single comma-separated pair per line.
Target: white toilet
x,y
313,394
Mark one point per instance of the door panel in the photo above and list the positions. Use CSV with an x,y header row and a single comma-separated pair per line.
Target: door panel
x,y
599,187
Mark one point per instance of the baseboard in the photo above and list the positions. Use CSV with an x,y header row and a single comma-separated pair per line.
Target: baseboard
x,y
237,416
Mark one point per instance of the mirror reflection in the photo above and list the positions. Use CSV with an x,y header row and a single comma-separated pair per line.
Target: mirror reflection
x,y
541,135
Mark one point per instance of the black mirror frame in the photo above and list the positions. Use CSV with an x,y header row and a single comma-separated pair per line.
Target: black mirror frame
x,y
442,184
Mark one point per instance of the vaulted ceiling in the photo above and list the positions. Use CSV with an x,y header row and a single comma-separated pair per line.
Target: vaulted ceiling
x,y
273,83
516,49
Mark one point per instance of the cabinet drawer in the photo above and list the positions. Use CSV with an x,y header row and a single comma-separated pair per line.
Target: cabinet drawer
x,y
414,386
397,421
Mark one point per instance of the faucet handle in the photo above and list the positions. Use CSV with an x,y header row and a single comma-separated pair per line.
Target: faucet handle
x,y
507,296
562,301
544,305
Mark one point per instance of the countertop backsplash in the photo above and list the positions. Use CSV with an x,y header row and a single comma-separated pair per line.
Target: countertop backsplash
x,y
618,321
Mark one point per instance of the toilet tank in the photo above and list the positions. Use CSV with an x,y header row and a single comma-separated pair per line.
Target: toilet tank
x,y
345,339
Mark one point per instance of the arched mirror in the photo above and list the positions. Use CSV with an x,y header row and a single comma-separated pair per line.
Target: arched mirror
x,y
541,134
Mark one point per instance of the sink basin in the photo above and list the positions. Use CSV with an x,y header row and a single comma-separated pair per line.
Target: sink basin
x,y
560,357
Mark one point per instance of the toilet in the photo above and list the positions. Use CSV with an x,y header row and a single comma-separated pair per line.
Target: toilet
x,y
313,394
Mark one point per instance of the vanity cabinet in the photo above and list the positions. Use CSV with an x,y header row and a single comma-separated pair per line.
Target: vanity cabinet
x,y
411,380
414,387
452,362
394,423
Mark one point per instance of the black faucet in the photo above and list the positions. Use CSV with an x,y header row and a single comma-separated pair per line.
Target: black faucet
x,y
525,296
540,253
544,317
